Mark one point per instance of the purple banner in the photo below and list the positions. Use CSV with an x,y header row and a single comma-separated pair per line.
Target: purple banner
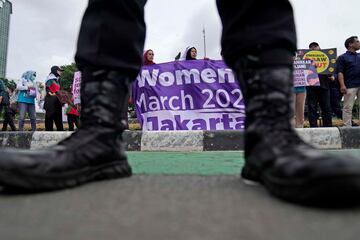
x,y
188,95
305,73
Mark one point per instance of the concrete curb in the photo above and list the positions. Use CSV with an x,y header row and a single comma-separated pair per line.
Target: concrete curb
x,y
189,141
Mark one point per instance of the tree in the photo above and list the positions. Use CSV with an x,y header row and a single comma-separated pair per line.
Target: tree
x,y
8,83
67,76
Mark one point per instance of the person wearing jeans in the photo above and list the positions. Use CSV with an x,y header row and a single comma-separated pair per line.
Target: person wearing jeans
x,y
28,91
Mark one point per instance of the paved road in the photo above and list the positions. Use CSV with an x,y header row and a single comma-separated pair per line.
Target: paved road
x,y
186,204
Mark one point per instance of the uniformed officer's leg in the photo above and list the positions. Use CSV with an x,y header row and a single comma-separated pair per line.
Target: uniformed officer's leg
x,y
109,55
258,42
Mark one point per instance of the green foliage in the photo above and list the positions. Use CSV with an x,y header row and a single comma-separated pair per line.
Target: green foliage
x,y
67,76
9,83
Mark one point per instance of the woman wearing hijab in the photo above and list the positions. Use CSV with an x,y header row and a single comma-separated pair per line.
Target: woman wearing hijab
x,y
149,57
191,53
28,91
52,105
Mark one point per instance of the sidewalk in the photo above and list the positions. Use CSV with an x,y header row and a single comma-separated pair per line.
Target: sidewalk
x,y
190,141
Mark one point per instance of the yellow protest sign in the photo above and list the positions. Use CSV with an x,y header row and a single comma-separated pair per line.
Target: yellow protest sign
x,y
325,59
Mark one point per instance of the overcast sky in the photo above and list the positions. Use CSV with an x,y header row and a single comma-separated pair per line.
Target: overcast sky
x,y
44,32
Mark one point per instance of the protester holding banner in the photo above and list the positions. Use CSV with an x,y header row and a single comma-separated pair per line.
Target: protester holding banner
x,y
348,67
191,53
299,96
305,74
148,61
188,95
258,41
319,95
149,57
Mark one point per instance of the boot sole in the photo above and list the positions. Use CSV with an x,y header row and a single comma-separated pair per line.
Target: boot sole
x,y
330,191
32,183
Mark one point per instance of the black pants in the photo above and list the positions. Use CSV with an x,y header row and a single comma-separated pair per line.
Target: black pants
x,y
112,33
9,117
56,117
335,100
319,96
72,119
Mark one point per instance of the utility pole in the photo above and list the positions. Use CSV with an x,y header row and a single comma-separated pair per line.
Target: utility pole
x,y
204,35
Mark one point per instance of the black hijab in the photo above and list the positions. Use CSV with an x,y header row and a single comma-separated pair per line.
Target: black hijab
x,y
188,54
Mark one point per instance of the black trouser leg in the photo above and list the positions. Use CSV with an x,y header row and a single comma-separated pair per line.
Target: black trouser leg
x,y
335,99
319,96
58,120
71,121
312,104
260,28
77,123
324,102
1,108
11,123
8,119
71,126
5,123
49,123
112,36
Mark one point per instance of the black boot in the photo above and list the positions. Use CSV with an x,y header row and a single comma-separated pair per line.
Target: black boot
x,y
277,158
94,152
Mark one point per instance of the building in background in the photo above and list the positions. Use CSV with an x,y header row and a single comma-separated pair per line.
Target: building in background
x,y
5,12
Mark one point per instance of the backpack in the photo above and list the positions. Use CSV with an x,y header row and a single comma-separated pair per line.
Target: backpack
x,y
14,101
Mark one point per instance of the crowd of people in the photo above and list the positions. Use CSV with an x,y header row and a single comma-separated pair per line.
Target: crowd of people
x,y
22,99
325,100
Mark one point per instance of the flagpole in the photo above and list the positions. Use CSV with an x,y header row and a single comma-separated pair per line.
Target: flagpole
x,y
204,35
